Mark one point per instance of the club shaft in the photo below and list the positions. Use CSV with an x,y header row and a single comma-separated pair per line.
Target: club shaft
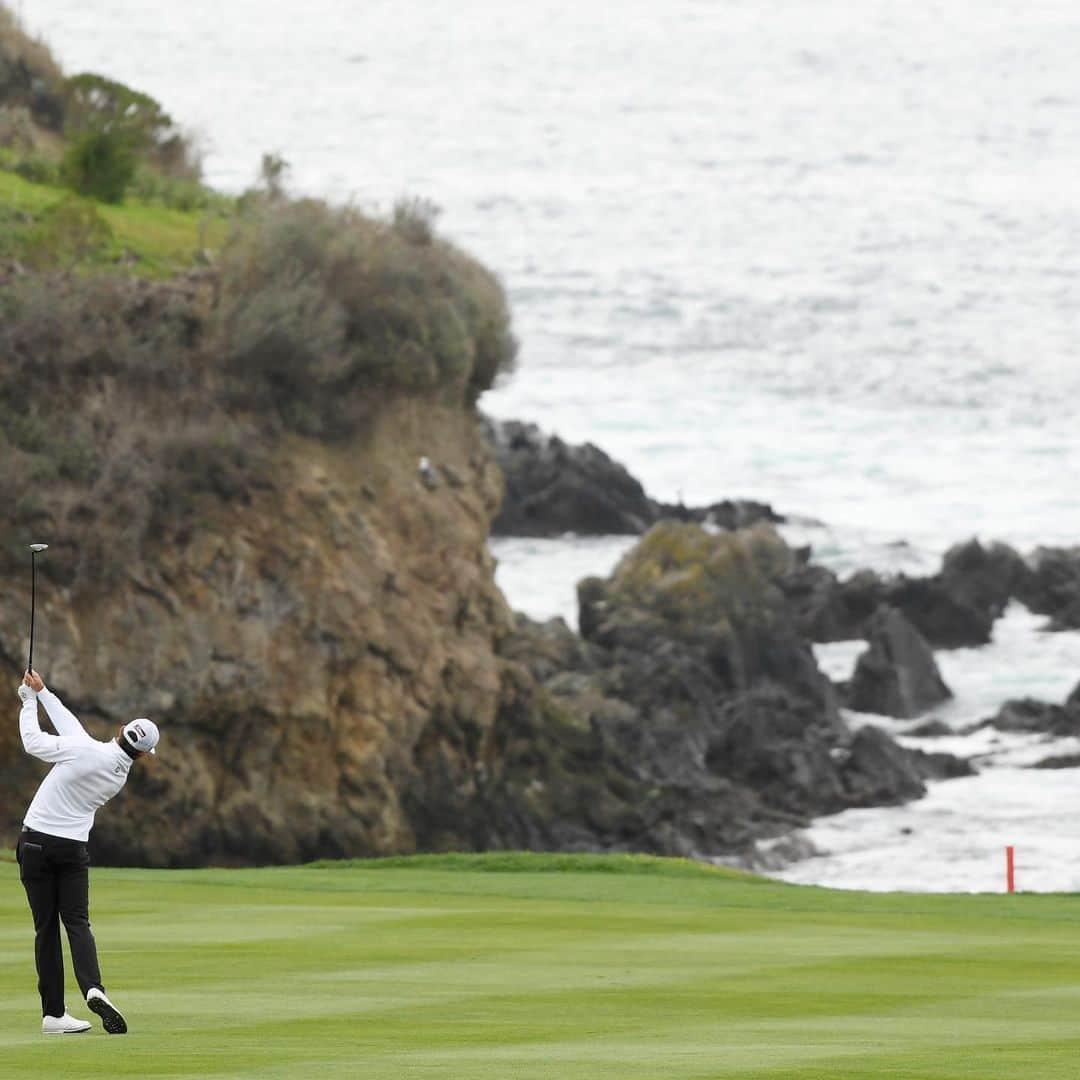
x,y
33,605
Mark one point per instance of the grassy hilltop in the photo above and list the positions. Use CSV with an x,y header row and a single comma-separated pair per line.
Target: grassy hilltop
x,y
184,335
545,967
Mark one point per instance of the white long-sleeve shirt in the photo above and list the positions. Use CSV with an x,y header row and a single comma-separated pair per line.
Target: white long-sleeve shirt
x,y
85,775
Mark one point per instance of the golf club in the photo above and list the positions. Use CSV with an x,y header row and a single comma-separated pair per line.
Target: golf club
x,y
34,549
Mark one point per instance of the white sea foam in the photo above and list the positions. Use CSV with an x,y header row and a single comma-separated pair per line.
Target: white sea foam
x,y
540,576
954,839
773,251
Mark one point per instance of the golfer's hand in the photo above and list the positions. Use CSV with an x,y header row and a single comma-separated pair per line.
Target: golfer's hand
x,y
34,681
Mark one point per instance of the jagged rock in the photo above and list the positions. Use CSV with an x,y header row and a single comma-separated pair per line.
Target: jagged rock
x,y
930,729
321,665
943,619
940,766
880,771
952,609
768,856
984,578
335,674
1052,586
1027,715
897,675
828,609
553,488
1059,761
728,514
696,720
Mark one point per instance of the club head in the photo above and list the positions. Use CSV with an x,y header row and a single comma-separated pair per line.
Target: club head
x,y
38,547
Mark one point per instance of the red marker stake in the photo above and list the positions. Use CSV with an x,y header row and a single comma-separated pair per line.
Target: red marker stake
x,y
1010,869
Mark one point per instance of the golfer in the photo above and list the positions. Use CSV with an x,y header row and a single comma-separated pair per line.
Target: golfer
x,y
52,853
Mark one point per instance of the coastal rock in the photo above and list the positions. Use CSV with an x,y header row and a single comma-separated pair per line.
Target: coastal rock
x,y
941,617
954,608
553,488
897,675
1052,586
881,772
828,609
320,661
984,578
930,729
694,719
354,684
1058,761
1029,716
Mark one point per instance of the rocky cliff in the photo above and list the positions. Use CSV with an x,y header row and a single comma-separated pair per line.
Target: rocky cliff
x,y
263,480
268,495
318,659
335,673
690,716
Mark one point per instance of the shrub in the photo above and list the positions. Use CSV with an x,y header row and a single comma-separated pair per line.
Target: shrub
x,y
177,193
115,126
100,165
125,432
324,309
37,168
16,127
272,172
414,219
29,75
285,353
68,232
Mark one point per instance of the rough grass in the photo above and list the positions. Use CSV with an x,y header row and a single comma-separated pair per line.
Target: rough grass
x,y
561,968
532,862
147,240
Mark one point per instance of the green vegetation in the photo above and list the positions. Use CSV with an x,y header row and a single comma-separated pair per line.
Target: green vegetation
x,y
693,577
112,128
99,165
181,333
142,238
321,306
563,968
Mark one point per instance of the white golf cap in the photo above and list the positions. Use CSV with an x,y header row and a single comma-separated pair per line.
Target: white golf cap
x,y
141,735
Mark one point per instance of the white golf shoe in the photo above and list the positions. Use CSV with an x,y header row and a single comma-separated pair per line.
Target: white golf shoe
x,y
111,1020
63,1025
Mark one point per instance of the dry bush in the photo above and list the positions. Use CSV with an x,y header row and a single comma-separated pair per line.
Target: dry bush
x,y
29,74
323,311
68,232
111,425
16,128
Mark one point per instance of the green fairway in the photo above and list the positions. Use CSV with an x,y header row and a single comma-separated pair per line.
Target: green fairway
x,y
518,968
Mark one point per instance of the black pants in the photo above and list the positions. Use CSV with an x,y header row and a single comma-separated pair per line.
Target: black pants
x,y
55,874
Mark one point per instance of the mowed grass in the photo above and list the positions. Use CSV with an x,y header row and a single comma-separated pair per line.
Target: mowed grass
x,y
520,968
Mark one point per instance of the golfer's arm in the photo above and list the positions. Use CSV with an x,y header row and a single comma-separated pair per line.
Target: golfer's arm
x,y
63,719
34,740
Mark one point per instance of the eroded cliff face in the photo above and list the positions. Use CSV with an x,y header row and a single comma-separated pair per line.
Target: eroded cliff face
x,y
335,673
320,660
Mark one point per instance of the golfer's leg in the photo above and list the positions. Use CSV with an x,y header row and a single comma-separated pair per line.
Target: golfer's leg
x,y
41,891
74,906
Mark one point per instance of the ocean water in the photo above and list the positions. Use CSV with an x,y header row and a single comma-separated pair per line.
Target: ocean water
x,y
812,252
